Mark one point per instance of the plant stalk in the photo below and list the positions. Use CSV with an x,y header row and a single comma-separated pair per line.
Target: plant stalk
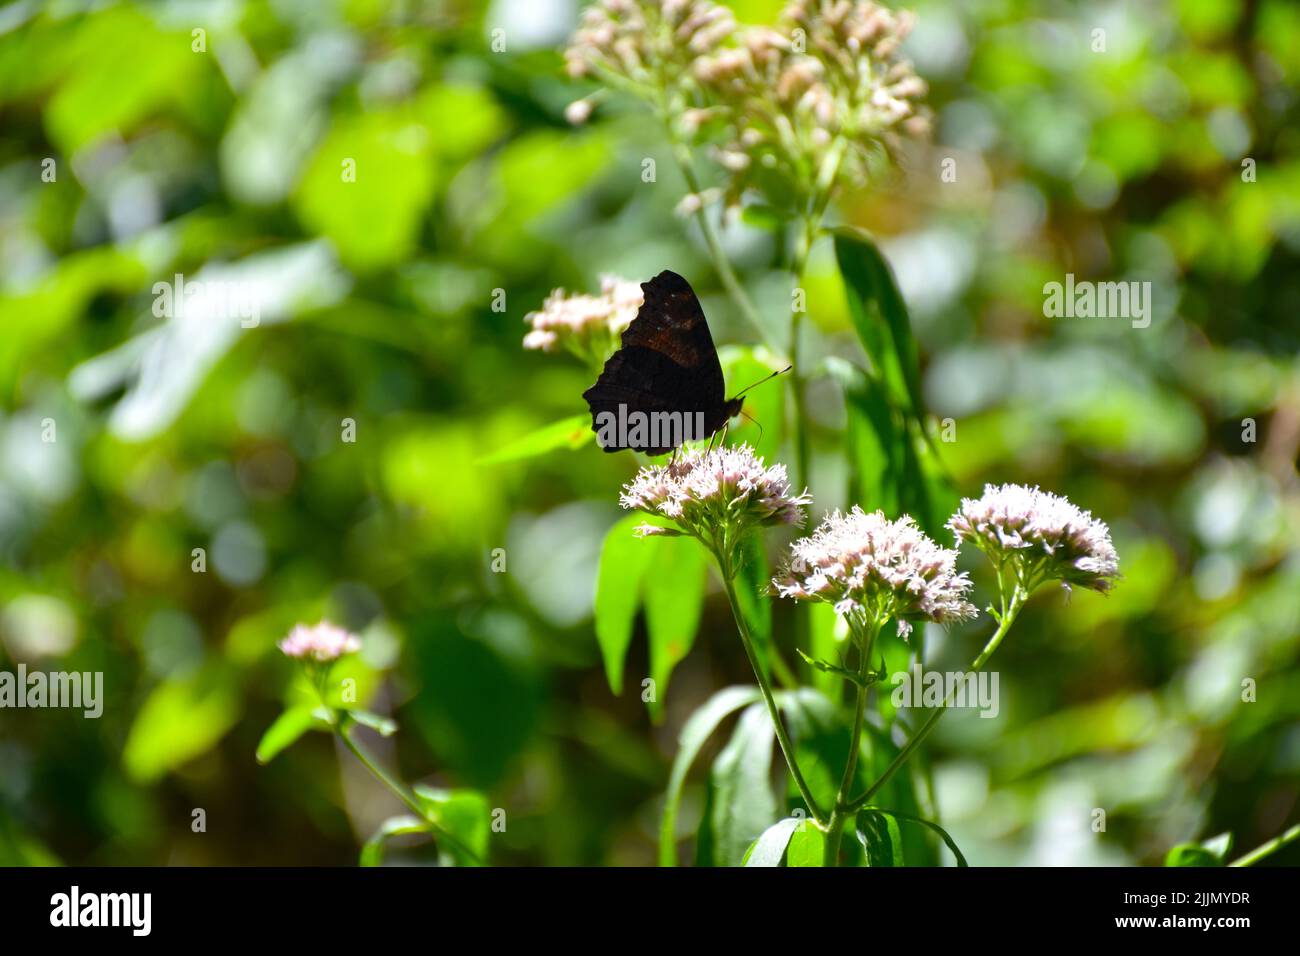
x,y
787,748
840,813
1008,618
399,790
1257,854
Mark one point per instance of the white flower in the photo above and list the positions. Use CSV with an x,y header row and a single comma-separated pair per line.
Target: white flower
x,y
786,103
707,493
636,43
579,111
1046,536
588,325
871,568
322,643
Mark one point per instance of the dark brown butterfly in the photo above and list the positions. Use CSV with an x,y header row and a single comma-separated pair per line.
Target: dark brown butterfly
x,y
664,386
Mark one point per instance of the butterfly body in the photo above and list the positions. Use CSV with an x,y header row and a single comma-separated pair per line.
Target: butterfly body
x,y
664,385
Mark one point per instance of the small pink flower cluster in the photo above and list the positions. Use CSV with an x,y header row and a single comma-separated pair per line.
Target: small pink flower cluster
x,y
587,325
872,569
1045,534
703,492
322,643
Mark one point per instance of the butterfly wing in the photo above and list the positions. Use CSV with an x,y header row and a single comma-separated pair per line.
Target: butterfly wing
x,y
667,363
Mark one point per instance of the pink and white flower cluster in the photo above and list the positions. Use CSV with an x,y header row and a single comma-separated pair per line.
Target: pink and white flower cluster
x,y
322,643
1047,536
872,569
705,492
588,325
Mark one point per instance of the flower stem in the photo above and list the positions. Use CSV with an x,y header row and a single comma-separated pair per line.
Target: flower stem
x,y
1257,854
721,264
399,789
787,748
1008,618
810,223
840,813
379,773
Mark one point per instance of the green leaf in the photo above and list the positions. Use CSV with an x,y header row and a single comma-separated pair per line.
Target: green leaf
x,y
892,465
383,726
372,854
674,598
698,728
180,720
881,838
929,824
880,316
744,803
827,668
769,848
807,846
623,562
465,816
897,462
875,434
1211,852
573,432
287,728
1191,854
744,366
373,217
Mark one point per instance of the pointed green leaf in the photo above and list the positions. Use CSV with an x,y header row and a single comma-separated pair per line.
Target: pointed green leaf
x,y
573,432
769,848
463,815
623,562
741,777
287,728
698,728
674,598
880,316
929,824
881,839
807,846
1192,854
180,720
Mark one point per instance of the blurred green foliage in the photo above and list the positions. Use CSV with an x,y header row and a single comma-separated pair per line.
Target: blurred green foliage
x,y
231,161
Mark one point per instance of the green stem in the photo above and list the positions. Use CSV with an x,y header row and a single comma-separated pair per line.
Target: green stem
x,y
383,776
1008,618
1257,854
815,212
834,836
787,748
721,264
840,813
398,789
803,445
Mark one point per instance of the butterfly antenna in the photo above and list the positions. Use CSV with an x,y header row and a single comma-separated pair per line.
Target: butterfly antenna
x,y
762,380
756,422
